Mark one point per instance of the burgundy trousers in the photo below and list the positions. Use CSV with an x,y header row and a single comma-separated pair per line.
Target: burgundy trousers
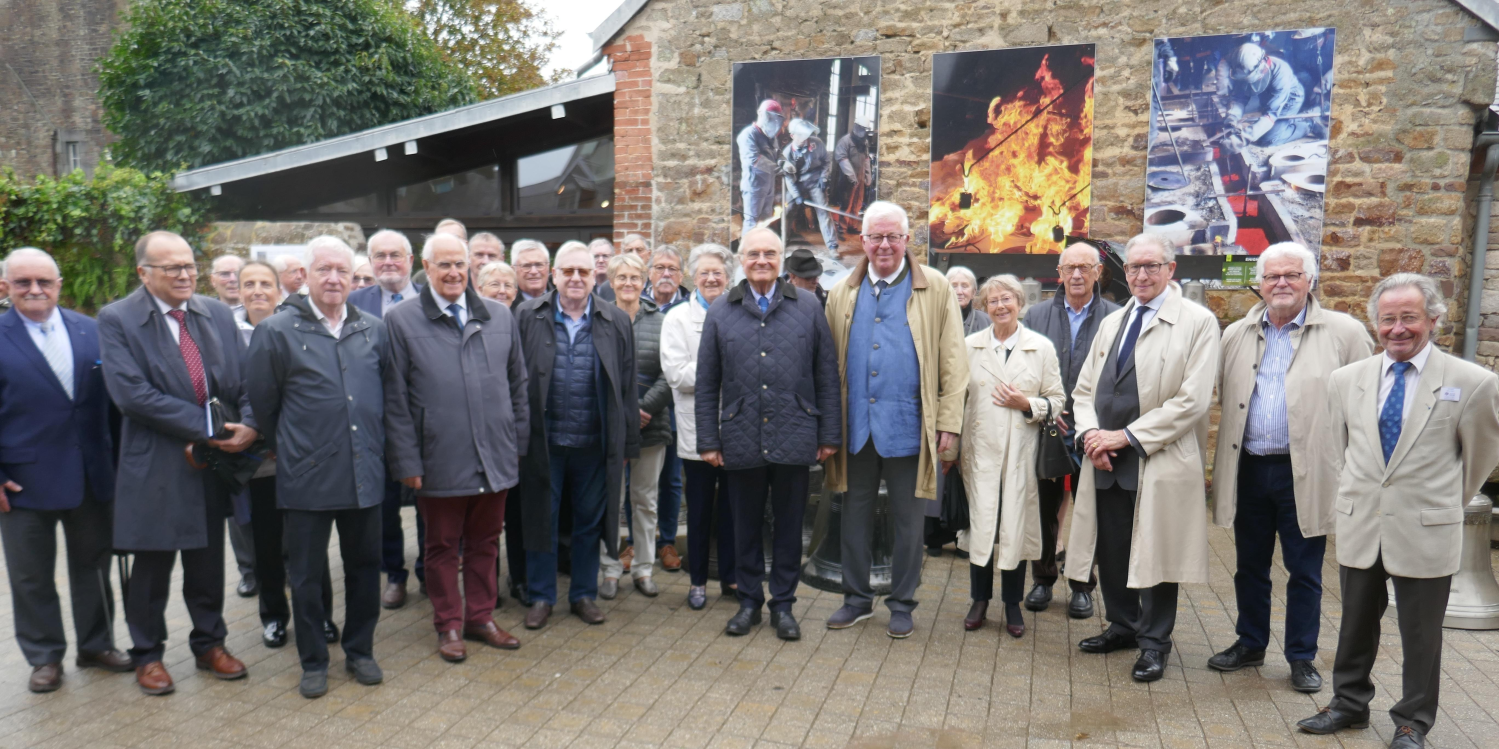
x,y
472,523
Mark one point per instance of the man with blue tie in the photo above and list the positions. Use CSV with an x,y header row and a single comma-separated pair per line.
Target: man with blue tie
x,y
56,466
390,254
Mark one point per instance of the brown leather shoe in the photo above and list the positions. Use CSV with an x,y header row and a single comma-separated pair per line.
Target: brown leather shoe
x,y
154,679
222,664
45,678
450,646
627,556
490,634
394,596
109,660
671,561
977,613
537,617
588,611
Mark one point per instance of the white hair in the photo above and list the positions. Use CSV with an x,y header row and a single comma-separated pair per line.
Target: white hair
x,y
571,246
709,249
1094,252
405,241
1167,247
1287,249
666,250
1435,307
222,258
361,259
25,252
958,271
485,235
601,242
430,245
886,209
632,237
526,245
489,269
280,262
327,242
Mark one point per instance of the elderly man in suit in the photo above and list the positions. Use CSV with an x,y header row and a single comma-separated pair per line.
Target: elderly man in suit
x,y
1276,472
166,352
456,416
56,466
1141,409
584,425
314,376
1418,434
390,254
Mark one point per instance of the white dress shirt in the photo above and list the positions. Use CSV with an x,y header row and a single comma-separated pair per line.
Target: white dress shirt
x,y
336,328
442,304
1412,379
409,292
171,321
874,280
42,331
1148,312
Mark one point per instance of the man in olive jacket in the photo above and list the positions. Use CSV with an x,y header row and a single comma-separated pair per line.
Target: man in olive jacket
x,y
314,376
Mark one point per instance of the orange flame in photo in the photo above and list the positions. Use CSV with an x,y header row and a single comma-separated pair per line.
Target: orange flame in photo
x,y
1011,188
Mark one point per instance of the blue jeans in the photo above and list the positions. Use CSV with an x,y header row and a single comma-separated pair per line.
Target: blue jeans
x,y
1266,506
578,474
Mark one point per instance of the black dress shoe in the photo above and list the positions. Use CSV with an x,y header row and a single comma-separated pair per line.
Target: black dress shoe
x,y
1150,666
785,625
330,631
1239,656
248,586
747,617
1304,677
1107,642
1081,605
274,635
1407,738
934,551
1328,720
1039,598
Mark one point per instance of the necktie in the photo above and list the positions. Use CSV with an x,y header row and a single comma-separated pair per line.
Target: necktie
x,y
457,313
764,303
396,297
55,341
1129,339
190,356
879,289
1394,411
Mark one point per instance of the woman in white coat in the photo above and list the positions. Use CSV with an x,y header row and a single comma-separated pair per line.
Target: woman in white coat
x,y
710,266
1014,384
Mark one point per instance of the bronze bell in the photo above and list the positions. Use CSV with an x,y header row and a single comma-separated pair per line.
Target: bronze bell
x,y
1474,600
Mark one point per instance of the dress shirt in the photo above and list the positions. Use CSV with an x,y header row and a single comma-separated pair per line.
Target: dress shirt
x,y
443,304
336,328
239,312
573,326
1267,430
1150,309
874,280
408,292
1412,379
1003,348
41,331
766,296
1075,319
172,325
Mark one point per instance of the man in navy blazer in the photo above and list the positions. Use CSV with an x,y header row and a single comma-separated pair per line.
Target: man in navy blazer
x,y
166,352
390,254
56,466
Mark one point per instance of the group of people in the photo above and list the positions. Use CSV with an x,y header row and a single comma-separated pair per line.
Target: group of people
x,y
543,398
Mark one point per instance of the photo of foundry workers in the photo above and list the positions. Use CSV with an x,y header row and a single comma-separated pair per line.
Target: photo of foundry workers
x,y
1238,140
805,162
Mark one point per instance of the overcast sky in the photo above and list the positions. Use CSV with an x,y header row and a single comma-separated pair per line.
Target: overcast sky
x,y
575,19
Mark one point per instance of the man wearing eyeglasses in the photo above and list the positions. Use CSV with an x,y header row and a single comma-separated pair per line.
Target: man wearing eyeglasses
x,y
166,351
1144,392
1071,321
1275,468
903,366
667,291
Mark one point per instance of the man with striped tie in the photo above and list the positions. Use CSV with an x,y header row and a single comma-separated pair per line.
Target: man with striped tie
x,y
166,351
56,466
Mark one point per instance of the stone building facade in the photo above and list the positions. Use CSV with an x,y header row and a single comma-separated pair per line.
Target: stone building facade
x,y
1408,95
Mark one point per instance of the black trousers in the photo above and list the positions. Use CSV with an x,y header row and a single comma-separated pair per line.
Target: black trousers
x,y
30,538
981,582
1044,570
202,587
787,486
1420,606
270,556
307,535
1148,615
515,543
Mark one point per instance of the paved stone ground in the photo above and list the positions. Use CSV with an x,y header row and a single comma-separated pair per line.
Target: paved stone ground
x,y
659,674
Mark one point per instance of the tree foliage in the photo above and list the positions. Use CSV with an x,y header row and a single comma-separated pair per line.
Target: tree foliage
x,y
194,82
90,225
502,44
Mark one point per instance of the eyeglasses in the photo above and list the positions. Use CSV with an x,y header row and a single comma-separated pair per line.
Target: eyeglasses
x,y
1277,278
225,274
631,279
446,265
1149,269
879,239
1002,300
666,269
762,255
42,284
575,272
710,274
388,257
1068,270
1409,321
532,266
174,271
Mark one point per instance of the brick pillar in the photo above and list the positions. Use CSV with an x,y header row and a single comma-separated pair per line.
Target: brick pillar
x,y
631,62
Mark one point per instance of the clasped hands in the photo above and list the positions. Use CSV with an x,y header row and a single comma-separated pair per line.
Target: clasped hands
x,y
1101,445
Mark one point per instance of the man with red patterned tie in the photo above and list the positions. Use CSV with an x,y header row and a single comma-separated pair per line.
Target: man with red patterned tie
x,y
166,351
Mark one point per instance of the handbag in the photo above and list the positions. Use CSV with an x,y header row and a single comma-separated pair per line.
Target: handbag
x,y
954,512
1053,459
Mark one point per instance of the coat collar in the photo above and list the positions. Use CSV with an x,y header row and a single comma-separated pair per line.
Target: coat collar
x,y
143,306
783,289
354,318
475,303
1315,314
918,279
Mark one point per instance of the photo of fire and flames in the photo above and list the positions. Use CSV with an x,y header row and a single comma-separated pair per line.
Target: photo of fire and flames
x,y
1012,148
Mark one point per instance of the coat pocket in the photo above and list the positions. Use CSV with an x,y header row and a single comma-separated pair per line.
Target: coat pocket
x,y
1344,505
311,461
1442,516
731,410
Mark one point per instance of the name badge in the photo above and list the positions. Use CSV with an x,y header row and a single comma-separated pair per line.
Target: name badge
x,y
1452,394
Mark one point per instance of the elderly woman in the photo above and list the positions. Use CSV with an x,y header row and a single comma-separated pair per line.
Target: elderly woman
x,y
710,266
364,272
627,276
497,281
1015,384
964,284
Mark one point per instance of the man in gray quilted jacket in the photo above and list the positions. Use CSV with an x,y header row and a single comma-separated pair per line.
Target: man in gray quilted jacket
x,y
767,409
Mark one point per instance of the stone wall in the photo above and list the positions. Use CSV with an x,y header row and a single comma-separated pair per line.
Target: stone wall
x,y
1408,93
235,237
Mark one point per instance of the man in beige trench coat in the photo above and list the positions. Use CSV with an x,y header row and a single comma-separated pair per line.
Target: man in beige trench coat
x,y
1418,430
1141,406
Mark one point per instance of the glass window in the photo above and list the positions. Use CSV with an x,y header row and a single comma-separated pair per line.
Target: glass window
x,y
567,180
364,204
472,193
